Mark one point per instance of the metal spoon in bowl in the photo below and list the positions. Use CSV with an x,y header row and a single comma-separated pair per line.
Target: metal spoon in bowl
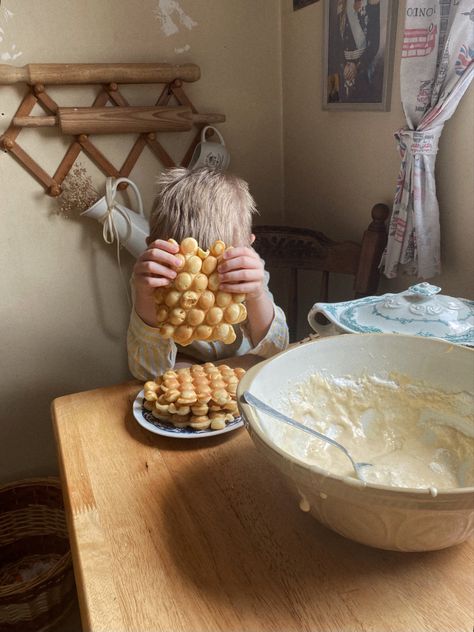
x,y
257,403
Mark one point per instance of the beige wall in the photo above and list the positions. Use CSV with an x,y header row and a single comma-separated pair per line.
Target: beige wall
x,y
63,309
339,164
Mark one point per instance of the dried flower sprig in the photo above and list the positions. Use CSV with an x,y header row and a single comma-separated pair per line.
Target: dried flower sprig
x,y
78,193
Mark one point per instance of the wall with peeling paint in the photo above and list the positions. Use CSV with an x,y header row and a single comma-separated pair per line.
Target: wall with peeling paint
x,y
64,311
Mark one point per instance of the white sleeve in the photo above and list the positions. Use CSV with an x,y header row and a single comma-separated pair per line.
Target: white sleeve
x,y
149,354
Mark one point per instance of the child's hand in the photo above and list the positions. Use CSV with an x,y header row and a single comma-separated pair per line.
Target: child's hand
x,y
154,268
241,271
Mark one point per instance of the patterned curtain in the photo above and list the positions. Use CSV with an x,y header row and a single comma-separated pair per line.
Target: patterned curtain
x,y
436,70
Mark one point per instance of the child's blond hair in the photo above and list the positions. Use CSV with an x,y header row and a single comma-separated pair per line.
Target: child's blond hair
x,y
206,204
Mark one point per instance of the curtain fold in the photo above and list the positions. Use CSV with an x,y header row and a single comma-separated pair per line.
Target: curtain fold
x,y
436,70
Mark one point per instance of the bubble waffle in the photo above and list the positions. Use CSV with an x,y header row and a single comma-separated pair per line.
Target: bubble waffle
x,y
201,396
192,307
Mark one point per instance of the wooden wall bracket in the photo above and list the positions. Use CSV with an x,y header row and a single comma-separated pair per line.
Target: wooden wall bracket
x,y
121,118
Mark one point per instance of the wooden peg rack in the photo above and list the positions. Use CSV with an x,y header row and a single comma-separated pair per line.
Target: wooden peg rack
x,y
80,122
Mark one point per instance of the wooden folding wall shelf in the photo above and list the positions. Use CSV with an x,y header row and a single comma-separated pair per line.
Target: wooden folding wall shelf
x,y
79,122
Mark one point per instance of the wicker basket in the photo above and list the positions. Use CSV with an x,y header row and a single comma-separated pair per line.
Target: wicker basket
x,y
36,577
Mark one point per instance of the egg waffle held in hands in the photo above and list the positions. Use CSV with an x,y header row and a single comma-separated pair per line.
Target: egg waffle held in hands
x,y
192,307
199,397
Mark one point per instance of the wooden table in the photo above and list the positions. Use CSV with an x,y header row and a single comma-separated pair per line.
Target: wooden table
x,y
202,535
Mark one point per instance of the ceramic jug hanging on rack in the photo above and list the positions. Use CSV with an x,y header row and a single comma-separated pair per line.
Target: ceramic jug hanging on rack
x,y
127,227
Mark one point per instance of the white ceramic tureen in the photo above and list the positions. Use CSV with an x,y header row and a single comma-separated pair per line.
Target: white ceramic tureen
x,y
419,311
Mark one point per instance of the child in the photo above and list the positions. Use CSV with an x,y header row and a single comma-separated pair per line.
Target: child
x,y
207,205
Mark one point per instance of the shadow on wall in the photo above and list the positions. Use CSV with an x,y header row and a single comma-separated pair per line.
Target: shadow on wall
x,y
84,349
97,252
58,368
93,245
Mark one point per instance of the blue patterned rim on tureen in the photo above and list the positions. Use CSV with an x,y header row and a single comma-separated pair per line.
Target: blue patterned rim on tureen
x,y
419,311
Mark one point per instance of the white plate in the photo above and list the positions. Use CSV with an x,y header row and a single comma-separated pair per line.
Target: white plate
x,y
147,421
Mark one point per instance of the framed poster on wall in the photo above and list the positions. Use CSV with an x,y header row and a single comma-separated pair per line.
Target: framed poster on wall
x,y
300,4
359,39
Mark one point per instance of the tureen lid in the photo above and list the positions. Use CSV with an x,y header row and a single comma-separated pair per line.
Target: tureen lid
x,y
420,310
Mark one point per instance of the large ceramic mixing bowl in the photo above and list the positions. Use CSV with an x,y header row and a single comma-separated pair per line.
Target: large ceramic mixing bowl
x,y
402,519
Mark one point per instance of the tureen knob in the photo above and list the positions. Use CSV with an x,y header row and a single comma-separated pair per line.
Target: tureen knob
x,y
424,289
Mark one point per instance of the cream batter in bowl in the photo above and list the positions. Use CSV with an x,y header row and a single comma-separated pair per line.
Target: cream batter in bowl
x,y
414,435
403,403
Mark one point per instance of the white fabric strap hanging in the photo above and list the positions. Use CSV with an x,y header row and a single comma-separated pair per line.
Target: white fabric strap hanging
x,y
110,232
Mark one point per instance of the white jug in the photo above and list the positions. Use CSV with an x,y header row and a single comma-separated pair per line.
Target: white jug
x,y
128,227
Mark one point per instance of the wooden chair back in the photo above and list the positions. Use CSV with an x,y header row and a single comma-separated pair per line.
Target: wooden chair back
x,y
294,249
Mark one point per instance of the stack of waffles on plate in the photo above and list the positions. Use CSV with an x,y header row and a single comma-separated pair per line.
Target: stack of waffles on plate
x,y
202,396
